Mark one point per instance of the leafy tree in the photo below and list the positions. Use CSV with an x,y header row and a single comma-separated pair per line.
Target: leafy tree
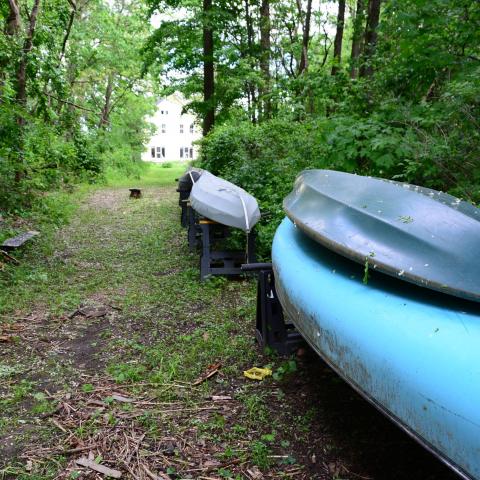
x,y
67,69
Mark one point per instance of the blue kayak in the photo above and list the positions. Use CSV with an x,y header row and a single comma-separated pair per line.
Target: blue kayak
x,y
413,352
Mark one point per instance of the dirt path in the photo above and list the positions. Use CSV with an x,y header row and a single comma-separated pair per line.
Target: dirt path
x,y
107,336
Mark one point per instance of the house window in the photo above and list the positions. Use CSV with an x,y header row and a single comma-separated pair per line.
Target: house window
x,y
191,128
181,128
181,152
164,128
160,152
161,112
152,151
185,152
191,153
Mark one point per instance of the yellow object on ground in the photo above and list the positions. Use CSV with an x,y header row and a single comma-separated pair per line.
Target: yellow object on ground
x,y
256,373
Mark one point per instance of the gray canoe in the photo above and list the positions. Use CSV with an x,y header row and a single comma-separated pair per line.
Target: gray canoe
x,y
224,202
413,233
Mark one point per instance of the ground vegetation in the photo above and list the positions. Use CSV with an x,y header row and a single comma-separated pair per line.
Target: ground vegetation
x,y
113,355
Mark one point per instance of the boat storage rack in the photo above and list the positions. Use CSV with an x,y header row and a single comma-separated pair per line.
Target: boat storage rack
x,y
272,329
206,235
184,188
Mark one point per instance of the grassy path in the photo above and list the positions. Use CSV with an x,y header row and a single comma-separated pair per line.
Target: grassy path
x,y
106,329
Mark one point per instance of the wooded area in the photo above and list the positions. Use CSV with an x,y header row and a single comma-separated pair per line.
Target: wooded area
x,y
386,88
70,71
383,88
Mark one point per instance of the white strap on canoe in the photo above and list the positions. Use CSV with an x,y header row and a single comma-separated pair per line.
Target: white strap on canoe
x,y
191,176
247,224
245,213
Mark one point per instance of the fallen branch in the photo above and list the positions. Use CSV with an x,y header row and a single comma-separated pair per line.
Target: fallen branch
x,y
160,476
97,467
9,257
211,371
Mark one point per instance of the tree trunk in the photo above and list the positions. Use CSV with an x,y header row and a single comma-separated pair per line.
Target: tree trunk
x,y
22,65
337,44
21,94
303,65
12,28
358,29
67,32
13,21
105,115
208,69
373,18
265,56
250,85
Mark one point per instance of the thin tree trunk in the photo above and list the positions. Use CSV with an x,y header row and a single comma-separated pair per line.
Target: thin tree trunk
x,y
22,66
303,65
337,44
265,56
358,29
12,28
373,18
21,94
250,84
208,69
13,21
68,31
105,115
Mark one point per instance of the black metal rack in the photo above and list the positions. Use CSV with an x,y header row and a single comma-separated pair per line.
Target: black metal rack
x,y
207,235
272,330
185,183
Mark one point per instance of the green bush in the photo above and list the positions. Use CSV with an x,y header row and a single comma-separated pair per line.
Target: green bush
x,y
265,160
434,144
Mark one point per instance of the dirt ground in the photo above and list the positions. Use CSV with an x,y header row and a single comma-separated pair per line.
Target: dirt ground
x,y
116,361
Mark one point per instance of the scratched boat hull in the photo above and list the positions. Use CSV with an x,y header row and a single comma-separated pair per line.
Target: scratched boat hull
x,y
414,353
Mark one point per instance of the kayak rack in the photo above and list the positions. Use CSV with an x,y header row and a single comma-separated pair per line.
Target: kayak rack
x,y
206,234
272,330
185,183
183,203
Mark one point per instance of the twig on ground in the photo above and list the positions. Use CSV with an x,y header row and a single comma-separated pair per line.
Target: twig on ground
x,y
109,472
9,257
211,371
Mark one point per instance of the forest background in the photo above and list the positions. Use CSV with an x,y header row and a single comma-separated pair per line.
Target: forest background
x,y
387,88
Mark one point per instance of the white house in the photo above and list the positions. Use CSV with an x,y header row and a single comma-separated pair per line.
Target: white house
x,y
175,133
